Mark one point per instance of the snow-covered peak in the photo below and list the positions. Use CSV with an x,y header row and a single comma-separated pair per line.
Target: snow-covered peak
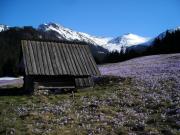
x,y
62,32
53,27
128,40
111,44
125,41
3,27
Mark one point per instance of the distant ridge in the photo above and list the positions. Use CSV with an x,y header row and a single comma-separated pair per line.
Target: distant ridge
x,y
54,31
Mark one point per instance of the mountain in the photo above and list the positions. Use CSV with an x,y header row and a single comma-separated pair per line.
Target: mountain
x,y
3,27
128,40
131,41
55,31
61,32
143,46
125,41
10,40
139,48
100,44
47,32
163,34
111,44
166,42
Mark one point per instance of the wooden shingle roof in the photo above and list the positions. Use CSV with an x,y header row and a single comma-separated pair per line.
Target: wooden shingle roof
x,y
57,58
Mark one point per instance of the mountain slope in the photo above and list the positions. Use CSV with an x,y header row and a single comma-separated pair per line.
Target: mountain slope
x,y
124,42
163,34
128,40
3,27
151,42
60,32
100,44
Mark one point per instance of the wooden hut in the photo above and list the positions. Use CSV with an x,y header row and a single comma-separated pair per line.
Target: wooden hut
x,y
50,64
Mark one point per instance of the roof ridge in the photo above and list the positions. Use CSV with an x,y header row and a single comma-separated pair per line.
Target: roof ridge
x,y
57,41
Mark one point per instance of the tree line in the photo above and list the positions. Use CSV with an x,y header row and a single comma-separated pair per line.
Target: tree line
x,y
11,53
170,43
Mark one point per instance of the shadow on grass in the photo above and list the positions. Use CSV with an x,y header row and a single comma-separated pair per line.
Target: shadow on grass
x,y
22,91
13,92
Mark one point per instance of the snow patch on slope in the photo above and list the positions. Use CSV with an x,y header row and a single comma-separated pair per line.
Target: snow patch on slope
x,y
3,27
68,34
109,43
128,40
125,41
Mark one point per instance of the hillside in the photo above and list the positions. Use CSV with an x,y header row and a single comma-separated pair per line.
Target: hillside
x,y
142,97
58,32
104,49
148,68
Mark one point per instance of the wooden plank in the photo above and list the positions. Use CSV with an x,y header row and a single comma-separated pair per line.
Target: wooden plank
x,y
37,57
62,53
87,82
68,66
89,63
32,56
86,60
92,64
49,64
76,83
63,59
82,59
77,57
44,59
24,57
56,84
33,45
76,65
67,56
95,69
79,82
57,61
28,59
75,72
52,58
60,59
41,66
84,82
90,81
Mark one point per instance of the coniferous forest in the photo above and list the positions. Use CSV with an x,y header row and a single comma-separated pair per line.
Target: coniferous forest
x,y
170,43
